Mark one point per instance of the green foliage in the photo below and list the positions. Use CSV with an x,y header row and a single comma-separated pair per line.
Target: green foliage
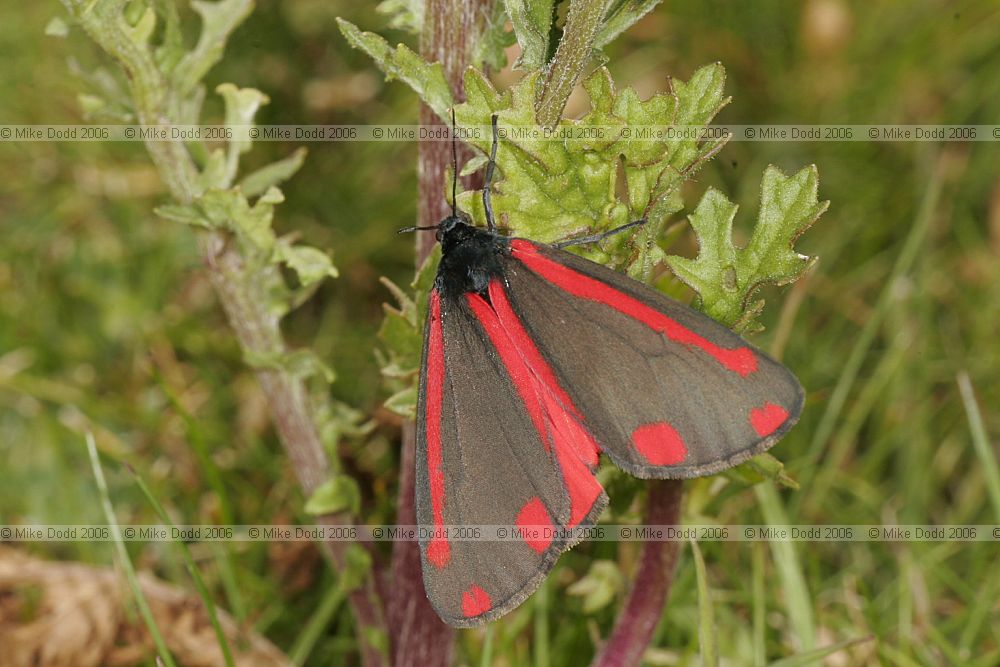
x,y
340,493
166,87
707,636
492,43
620,16
532,23
358,565
219,19
259,181
427,79
726,277
602,585
403,14
402,335
534,27
549,190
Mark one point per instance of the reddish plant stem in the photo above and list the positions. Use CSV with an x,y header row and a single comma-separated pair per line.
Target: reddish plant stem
x,y
450,31
638,618
288,402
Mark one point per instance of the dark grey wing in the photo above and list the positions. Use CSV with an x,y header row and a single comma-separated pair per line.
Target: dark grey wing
x,y
666,391
490,451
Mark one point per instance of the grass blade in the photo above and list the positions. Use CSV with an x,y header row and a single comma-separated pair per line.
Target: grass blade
x,y
486,658
793,582
541,639
317,623
192,569
116,533
812,657
759,605
852,367
981,442
706,617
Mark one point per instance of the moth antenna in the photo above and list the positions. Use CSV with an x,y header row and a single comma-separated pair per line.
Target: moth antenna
x,y
407,230
490,166
454,164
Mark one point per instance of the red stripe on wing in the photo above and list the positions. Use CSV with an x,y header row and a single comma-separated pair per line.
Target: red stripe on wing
x,y
739,360
539,366
439,549
547,404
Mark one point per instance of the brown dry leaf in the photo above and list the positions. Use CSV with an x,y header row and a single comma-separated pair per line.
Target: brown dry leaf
x,y
55,614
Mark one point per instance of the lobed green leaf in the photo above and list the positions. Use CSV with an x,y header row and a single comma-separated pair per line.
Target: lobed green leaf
x,y
300,364
532,22
491,45
218,20
242,105
259,181
310,264
726,277
426,79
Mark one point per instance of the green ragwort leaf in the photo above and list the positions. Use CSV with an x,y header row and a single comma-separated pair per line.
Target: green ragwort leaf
x,y
532,21
258,181
726,277
402,334
218,21
401,63
600,586
310,264
549,190
619,17
337,494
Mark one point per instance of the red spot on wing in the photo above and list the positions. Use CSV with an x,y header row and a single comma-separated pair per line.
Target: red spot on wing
x,y
548,406
660,444
439,549
739,360
767,418
476,601
534,517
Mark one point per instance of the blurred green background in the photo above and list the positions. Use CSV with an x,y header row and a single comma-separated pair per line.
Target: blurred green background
x,y
107,322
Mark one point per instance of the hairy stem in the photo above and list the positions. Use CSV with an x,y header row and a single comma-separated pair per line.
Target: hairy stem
x,y
635,624
255,327
574,51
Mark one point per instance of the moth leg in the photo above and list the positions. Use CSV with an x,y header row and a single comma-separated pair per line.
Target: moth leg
x,y
593,238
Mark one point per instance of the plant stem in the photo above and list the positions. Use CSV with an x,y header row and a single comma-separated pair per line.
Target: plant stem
x,y
256,329
575,48
638,618
451,29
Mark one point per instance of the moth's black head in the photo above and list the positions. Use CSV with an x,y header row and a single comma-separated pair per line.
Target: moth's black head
x,y
470,257
448,225
456,230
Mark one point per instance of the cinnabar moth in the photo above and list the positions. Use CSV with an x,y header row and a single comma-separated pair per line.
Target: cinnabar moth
x,y
536,360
